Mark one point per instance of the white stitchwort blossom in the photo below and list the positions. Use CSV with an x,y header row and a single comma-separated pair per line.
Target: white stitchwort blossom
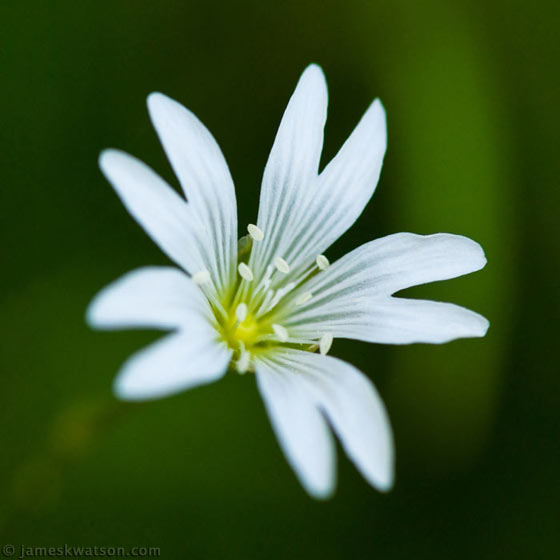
x,y
272,304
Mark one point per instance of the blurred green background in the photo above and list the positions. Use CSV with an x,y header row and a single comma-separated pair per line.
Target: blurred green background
x,y
471,90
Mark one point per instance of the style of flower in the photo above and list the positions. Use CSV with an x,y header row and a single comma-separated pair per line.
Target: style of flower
x,y
272,304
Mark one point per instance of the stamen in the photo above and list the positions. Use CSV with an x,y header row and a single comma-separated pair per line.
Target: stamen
x,y
281,332
322,262
281,265
201,277
325,343
241,312
244,362
255,232
245,272
303,298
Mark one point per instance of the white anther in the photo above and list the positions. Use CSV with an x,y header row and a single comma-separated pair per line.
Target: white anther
x,y
241,312
322,262
281,332
255,232
245,272
201,277
325,343
281,265
303,298
244,362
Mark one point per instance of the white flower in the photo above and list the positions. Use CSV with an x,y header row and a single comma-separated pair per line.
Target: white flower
x,y
268,305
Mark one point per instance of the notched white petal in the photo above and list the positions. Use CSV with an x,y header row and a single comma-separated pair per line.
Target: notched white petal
x,y
353,299
164,215
354,409
204,176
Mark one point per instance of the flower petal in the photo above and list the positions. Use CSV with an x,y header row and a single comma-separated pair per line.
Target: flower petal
x,y
301,430
292,166
175,363
344,188
392,263
352,406
158,297
323,208
390,320
350,299
163,214
203,173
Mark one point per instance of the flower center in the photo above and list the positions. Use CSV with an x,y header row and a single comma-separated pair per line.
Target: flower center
x,y
247,318
248,334
246,331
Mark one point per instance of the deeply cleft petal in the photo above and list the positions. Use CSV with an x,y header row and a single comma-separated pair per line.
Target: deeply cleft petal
x,y
342,190
163,214
345,396
204,176
352,299
302,212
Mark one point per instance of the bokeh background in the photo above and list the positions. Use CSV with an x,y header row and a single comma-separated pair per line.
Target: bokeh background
x,y
471,90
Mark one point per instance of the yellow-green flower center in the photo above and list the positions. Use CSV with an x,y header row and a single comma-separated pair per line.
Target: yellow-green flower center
x,y
247,318
247,332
